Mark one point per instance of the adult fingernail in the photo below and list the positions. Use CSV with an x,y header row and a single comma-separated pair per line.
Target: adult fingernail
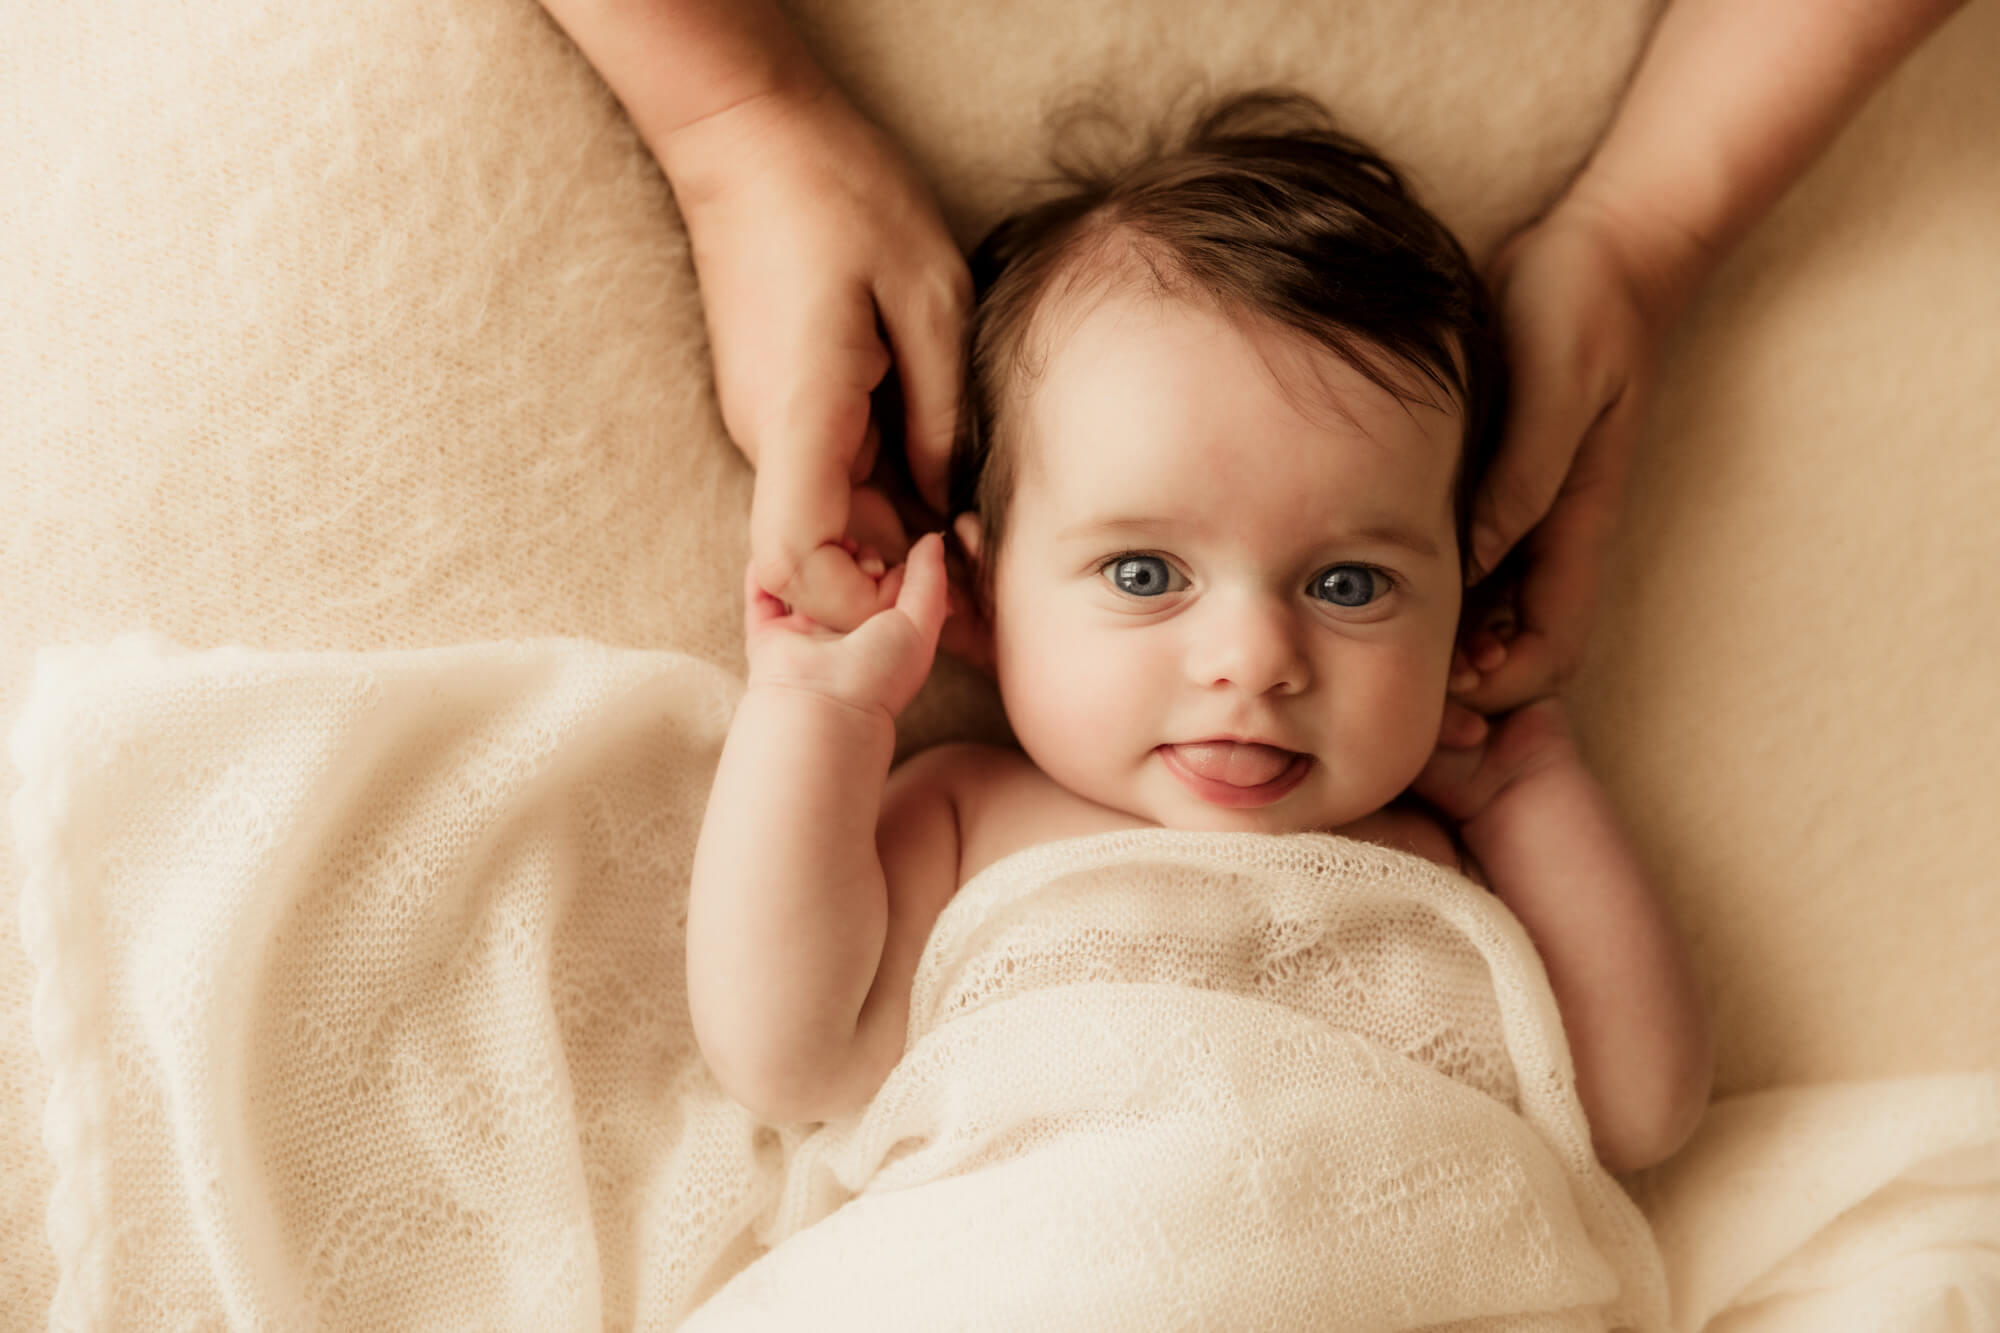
x,y
1484,539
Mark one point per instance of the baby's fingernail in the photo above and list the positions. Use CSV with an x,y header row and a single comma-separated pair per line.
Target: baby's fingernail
x,y
1463,680
1488,654
871,563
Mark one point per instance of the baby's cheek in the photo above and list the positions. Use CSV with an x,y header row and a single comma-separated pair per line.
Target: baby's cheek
x,y
1075,708
1416,706
1390,709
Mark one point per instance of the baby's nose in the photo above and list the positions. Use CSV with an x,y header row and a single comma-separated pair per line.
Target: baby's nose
x,y
1252,643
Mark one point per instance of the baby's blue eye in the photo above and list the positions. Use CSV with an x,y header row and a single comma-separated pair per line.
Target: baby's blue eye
x,y
1350,585
1141,575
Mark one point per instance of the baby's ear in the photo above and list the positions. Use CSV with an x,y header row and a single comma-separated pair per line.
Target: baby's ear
x,y
972,537
968,634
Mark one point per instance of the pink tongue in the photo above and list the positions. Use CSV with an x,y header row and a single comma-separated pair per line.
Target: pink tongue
x,y
1239,765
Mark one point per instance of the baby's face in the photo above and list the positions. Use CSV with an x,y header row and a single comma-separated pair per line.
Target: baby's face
x,y
1230,583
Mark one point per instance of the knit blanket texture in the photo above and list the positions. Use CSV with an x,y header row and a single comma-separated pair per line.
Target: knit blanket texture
x,y
360,982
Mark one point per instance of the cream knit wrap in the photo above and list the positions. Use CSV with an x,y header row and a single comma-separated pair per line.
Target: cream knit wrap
x,y
361,988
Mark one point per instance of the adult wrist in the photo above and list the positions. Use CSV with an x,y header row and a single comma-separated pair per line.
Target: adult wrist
x,y
1664,254
701,152
682,66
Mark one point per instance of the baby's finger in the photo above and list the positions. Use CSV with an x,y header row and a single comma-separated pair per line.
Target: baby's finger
x,y
1463,674
922,596
1486,651
891,587
1530,672
1461,728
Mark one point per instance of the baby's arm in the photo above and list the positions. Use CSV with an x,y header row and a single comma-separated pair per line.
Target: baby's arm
x,y
789,909
1552,848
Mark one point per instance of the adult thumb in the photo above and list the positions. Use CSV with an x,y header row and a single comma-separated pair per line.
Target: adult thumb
x,y
1537,445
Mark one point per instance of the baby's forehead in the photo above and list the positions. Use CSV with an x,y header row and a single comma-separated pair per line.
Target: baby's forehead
x,y
1120,285
1131,347
1149,405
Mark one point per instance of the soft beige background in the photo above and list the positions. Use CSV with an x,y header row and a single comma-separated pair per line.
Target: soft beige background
x,y
368,325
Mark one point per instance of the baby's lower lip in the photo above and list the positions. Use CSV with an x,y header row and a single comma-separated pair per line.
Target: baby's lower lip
x,y
1230,796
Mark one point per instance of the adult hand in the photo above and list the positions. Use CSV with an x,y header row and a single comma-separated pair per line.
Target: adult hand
x,y
823,264
1582,323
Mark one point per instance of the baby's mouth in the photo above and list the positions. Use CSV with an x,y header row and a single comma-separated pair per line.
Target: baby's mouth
x,y
1237,763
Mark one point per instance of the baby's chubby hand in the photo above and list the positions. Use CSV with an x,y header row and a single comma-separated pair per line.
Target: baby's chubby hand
x,y
879,665
1464,777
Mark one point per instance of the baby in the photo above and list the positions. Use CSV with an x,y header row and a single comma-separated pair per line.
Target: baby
x,y
1225,409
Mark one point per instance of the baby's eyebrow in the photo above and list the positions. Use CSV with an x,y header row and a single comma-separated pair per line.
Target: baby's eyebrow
x,y
1384,533
1100,526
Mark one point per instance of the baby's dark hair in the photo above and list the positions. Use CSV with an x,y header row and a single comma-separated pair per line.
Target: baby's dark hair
x,y
1267,210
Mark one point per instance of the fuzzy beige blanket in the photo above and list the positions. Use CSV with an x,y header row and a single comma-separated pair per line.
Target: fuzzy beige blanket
x,y
366,326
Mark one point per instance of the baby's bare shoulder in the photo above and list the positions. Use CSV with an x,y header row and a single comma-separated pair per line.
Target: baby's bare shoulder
x,y
933,799
960,761
1002,802
1409,827
969,775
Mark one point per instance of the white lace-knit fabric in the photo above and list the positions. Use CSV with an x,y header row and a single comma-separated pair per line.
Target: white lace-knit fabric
x,y
1178,1080
360,983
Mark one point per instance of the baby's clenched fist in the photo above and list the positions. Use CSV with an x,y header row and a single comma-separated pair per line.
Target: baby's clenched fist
x,y
880,664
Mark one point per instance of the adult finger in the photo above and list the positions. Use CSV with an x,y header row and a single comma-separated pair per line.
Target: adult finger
x,y
926,322
862,465
1547,418
922,596
872,521
798,514
759,607
1564,571
1557,595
